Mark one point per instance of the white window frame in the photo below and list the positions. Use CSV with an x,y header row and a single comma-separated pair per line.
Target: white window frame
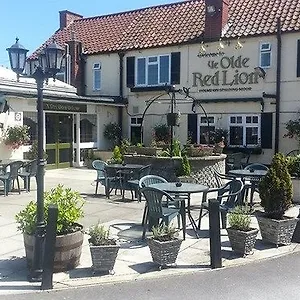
x,y
264,51
96,69
147,64
204,124
245,125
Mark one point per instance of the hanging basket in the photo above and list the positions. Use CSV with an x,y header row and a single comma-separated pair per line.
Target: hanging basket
x,y
173,119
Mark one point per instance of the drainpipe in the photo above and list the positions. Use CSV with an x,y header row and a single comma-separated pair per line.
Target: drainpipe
x,y
121,87
278,85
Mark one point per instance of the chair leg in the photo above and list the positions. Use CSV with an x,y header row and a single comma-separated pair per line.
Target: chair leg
x,y
144,219
200,217
224,219
183,217
18,183
97,183
144,222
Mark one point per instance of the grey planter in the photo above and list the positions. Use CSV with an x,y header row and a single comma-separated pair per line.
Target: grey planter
x,y
242,241
278,232
104,257
164,253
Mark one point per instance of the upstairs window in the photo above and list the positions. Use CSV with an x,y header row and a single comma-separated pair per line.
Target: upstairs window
x,y
265,55
153,70
97,76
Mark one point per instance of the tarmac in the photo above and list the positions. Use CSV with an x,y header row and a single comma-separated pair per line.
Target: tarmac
x,y
134,260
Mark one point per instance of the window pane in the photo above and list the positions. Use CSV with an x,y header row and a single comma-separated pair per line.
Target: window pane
x,y
133,120
248,120
211,120
135,135
204,133
139,120
164,64
265,59
97,79
30,119
255,119
152,74
88,128
236,135
251,136
239,120
141,71
152,59
265,46
232,119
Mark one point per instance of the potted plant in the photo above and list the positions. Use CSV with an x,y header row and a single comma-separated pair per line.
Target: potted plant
x,y
104,250
164,245
293,163
241,236
69,233
275,190
16,136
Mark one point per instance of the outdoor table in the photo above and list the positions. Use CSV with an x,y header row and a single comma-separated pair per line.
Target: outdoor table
x,y
184,188
125,172
254,176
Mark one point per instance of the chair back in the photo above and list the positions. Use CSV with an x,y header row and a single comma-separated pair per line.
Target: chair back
x,y
14,168
154,198
145,181
231,192
144,171
256,166
222,179
99,166
31,167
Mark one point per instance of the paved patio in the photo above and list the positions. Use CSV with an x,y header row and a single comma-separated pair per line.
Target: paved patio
x,y
134,260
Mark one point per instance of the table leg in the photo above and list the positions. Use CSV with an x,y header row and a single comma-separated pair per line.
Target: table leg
x,y
193,222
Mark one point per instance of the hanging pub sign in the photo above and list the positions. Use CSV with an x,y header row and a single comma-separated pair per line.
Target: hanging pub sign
x,y
229,73
63,106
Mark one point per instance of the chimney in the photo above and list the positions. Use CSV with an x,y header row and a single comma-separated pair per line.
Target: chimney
x,y
216,17
76,64
66,18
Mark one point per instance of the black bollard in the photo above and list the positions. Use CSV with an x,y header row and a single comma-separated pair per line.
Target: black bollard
x,y
48,263
214,234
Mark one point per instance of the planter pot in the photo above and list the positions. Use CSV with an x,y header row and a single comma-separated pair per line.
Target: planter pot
x,y
278,232
242,241
296,190
199,151
104,257
68,250
164,253
151,151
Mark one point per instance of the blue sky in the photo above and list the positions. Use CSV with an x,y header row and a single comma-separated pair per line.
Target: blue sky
x,y
33,21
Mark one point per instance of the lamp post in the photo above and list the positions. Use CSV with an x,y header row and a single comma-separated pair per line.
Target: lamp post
x,y
49,65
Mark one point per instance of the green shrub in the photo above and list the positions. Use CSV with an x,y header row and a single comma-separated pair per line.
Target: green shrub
x,y
112,132
239,218
293,163
70,210
275,188
117,157
33,152
185,167
99,235
16,136
161,133
164,233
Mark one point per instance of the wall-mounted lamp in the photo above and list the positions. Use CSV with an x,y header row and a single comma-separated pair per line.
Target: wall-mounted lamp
x,y
220,46
202,49
260,71
238,44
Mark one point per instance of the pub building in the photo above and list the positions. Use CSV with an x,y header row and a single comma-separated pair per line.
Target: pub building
x,y
239,61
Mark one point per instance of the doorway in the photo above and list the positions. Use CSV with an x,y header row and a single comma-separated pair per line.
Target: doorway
x,y
59,139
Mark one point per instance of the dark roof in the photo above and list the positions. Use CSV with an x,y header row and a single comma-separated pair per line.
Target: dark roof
x,y
176,23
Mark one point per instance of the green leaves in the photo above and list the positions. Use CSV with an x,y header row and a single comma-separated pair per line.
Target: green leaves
x,y
70,210
239,218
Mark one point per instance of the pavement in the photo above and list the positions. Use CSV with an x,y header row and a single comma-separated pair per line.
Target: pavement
x,y
124,217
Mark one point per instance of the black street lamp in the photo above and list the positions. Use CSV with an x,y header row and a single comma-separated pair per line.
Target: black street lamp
x,y
49,65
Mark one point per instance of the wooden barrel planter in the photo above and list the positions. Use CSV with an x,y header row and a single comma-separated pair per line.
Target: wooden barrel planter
x,y
68,250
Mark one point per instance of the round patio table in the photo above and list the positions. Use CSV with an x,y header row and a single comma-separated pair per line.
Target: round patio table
x,y
124,173
184,188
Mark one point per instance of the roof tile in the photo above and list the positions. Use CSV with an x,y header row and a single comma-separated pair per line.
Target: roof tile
x,y
181,22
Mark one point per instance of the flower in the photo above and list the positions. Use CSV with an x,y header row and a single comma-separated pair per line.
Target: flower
x,y
16,136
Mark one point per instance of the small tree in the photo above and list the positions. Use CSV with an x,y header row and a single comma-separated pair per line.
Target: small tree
x,y
112,132
275,188
117,157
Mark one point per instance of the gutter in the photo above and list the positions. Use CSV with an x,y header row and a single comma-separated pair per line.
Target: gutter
x,y
121,88
278,86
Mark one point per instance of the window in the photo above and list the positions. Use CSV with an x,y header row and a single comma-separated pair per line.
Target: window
x,y
88,128
135,130
97,77
153,70
205,129
64,74
244,130
265,55
30,119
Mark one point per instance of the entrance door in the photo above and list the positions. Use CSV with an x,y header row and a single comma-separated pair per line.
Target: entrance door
x,y
59,140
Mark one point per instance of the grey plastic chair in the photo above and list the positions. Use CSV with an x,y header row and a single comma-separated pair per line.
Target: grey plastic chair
x,y
9,177
229,196
253,182
99,166
157,213
29,170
